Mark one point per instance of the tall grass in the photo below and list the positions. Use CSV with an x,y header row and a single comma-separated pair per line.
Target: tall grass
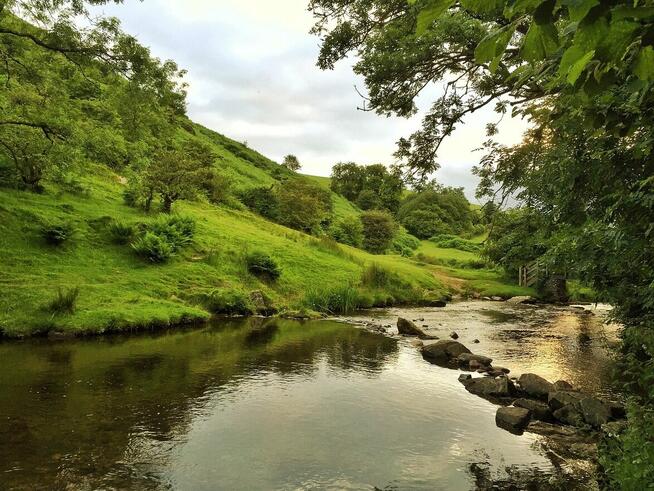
x,y
339,300
65,301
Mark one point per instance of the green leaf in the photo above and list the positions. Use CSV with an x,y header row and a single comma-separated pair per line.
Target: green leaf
x,y
540,42
492,47
623,12
644,65
432,11
578,9
521,7
578,67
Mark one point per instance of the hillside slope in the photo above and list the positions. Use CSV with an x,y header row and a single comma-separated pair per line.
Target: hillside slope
x,y
120,291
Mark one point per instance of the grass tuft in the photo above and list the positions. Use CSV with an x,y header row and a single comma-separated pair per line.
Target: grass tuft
x,y
65,301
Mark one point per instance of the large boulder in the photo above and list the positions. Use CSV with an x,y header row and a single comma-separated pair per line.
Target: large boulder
x,y
465,359
539,410
407,328
570,415
559,398
562,385
490,387
513,419
595,412
535,385
443,352
520,300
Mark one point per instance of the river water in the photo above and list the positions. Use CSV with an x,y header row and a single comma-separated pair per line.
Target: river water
x,y
279,404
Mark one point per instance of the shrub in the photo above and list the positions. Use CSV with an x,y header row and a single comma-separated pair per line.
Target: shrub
x,y
65,301
57,233
379,228
121,233
177,230
262,265
405,243
263,201
304,205
348,230
153,247
455,242
227,302
339,300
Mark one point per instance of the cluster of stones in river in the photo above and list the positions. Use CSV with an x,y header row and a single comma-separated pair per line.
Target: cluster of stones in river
x,y
524,401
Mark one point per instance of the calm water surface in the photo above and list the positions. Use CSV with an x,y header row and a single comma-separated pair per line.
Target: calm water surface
x,y
273,404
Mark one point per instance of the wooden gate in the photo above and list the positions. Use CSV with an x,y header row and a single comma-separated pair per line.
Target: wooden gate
x,y
529,274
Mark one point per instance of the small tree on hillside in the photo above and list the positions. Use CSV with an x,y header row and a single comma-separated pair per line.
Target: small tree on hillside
x,y
303,205
292,163
179,173
379,228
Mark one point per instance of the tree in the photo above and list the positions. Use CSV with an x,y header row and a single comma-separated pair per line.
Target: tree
x,y
379,229
178,173
59,103
348,230
292,163
303,205
370,187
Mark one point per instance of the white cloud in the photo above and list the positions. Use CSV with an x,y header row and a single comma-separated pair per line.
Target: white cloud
x,y
253,76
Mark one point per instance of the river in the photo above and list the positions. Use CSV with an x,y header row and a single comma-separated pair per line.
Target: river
x,y
281,404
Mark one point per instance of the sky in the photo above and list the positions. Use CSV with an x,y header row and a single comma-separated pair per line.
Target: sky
x,y
253,77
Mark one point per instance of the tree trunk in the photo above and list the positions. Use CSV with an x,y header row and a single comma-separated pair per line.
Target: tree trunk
x,y
167,204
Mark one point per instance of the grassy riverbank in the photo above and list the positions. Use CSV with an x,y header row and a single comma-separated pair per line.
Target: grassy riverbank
x,y
115,290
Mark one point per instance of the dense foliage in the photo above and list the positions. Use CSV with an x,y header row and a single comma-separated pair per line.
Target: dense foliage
x,y
436,210
379,228
372,187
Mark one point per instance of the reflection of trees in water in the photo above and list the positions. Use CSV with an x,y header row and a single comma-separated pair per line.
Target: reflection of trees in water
x,y
87,406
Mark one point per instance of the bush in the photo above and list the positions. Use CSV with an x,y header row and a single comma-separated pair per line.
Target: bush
x,y
425,224
379,228
263,201
227,302
177,230
121,233
348,230
339,300
57,233
405,243
304,205
153,247
262,265
65,301
455,242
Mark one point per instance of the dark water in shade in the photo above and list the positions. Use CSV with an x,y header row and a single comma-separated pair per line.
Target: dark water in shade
x,y
249,404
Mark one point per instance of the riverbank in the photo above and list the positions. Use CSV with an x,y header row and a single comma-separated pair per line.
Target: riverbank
x,y
91,284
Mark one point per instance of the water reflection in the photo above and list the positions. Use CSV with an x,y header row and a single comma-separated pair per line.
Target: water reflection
x,y
244,404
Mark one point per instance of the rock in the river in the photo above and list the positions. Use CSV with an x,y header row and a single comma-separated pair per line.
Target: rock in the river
x,y
558,399
513,419
490,387
496,299
535,385
520,300
539,410
417,343
464,376
443,352
454,335
595,412
466,359
407,328
476,341
570,415
562,385
438,303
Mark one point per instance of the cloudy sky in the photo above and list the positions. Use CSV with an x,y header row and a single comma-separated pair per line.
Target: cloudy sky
x,y
253,76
